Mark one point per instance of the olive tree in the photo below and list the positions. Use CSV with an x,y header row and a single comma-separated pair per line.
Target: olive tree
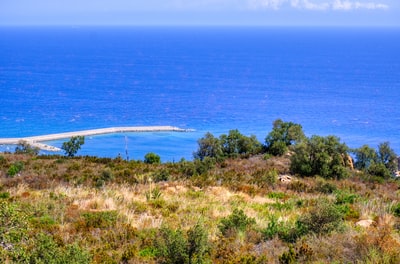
x,y
382,162
152,158
323,156
283,135
209,146
72,146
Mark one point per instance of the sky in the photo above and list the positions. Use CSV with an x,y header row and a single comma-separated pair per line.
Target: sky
x,y
201,12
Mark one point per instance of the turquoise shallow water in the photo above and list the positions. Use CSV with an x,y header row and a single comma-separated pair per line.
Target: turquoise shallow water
x,y
332,81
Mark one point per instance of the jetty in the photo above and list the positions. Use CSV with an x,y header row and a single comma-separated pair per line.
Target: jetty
x,y
36,141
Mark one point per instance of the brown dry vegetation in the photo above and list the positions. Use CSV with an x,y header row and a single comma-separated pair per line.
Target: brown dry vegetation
x,y
116,211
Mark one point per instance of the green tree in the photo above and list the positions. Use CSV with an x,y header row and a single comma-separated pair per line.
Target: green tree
x,y
364,156
387,156
283,135
209,146
235,144
382,163
324,156
72,146
24,147
152,158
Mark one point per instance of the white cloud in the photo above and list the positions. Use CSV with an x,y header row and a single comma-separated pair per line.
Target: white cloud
x,y
338,5
350,5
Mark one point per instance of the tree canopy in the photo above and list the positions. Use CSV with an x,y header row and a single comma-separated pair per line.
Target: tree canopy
x,y
283,135
72,146
323,156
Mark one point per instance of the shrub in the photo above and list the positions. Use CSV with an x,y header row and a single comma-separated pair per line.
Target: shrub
x,y
46,250
198,246
344,197
172,246
237,221
101,219
265,178
324,156
24,147
15,168
323,218
4,195
162,175
152,158
13,223
396,210
325,187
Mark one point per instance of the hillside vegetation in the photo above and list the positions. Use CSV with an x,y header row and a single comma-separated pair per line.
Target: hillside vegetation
x,y
291,199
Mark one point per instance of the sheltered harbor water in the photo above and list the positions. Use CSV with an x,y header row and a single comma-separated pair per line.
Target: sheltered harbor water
x,y
36,140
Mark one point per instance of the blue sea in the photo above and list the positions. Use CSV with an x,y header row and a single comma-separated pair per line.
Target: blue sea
x,y
333,81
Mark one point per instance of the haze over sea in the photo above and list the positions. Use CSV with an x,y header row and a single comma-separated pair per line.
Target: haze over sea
x,y
333,81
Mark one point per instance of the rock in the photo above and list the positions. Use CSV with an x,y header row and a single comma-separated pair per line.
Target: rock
x,y
285,178
365,223
349,162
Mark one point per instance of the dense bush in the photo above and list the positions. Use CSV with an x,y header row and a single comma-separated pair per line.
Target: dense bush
x,y
232,145
176,247
323,218
238,221
15,168
152,158
283,135
323,156
382,163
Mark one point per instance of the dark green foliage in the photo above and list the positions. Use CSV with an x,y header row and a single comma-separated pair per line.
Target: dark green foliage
x,y
172,246
325,187
72,146
13,223
198,246
288,257
4,195
232,145
379,170
47,251
162,175
301,254
283,135
238,221
382,163
102,219
323,218
152,158
3,161
73,254
364,156
209,146
15,168
272,228
265,178
387,156
24,147
345,197
235,144
396,209
324,156
196,167
105,176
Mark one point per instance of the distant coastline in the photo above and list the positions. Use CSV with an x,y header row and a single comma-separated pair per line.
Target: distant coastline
x,y
35,140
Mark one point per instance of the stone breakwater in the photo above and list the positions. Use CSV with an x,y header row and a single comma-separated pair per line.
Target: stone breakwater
x,y
35,141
